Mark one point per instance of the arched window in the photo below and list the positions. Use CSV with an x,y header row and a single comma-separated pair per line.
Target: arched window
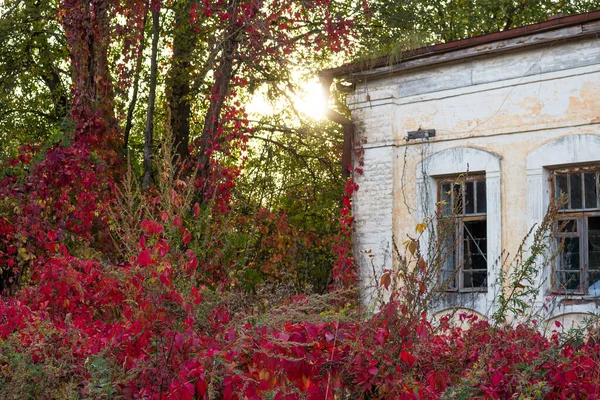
x,y
569,166
476,204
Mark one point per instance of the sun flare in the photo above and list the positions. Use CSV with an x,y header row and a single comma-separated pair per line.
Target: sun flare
x,y
309,101
312,101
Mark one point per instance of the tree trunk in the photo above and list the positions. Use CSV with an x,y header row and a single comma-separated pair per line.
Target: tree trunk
x,y
87,25
136,83
57,92
148,133
184,41
223,76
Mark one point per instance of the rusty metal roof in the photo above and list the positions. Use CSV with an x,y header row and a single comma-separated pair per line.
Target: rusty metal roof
x,y
355,69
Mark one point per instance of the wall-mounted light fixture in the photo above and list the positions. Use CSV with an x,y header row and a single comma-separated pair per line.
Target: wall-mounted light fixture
x,y
419,134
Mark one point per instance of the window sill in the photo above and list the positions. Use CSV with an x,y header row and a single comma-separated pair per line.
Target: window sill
x,y
576,299
466,291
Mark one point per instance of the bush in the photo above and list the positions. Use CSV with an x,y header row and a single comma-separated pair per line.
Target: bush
x,y
162,312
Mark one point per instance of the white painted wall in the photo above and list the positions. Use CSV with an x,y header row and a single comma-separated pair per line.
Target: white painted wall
x,y
508,104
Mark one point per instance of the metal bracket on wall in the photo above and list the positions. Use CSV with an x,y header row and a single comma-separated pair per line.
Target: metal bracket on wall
x,y
419,134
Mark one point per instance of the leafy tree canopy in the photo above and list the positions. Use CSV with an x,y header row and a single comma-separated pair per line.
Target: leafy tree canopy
x,y
397,25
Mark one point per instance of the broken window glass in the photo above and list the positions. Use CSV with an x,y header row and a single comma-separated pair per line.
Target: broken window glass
x,y
481,197
593,249
591,190
470,198
576,190
475,254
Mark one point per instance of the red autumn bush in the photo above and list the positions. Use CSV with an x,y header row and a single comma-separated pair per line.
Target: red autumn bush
x,y
109,292
168,320
175,345
157,313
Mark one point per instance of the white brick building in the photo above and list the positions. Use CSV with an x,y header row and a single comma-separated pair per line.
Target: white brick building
x,y
518,110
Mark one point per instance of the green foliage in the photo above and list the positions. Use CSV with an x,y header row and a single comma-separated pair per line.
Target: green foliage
x,y
34,76
518,281
294,170
413,23
24,376
102,381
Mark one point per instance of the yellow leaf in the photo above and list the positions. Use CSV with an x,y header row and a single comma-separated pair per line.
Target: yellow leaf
x,y
23,253
264,375
305,382
421,227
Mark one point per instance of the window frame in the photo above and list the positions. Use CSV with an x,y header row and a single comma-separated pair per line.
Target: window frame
x,y
459,219
581,216
447,160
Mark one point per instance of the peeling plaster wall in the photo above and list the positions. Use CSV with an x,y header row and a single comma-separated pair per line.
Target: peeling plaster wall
x,y
508,104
